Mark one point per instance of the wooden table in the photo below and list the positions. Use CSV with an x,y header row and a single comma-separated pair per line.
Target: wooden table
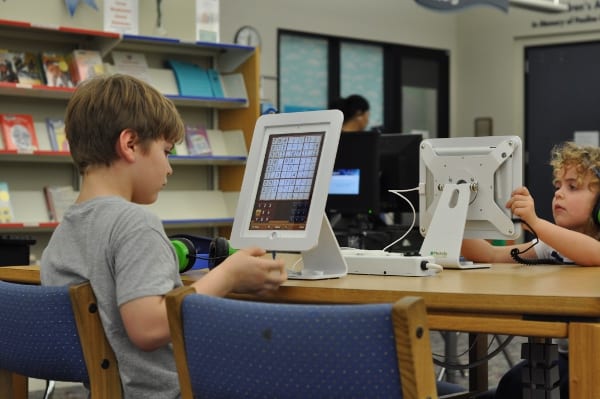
x,y
532,301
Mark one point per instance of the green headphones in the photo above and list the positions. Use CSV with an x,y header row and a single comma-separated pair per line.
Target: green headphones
x,y
187,253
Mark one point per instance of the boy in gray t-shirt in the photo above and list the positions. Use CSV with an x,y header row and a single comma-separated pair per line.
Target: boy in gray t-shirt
x,y
120,132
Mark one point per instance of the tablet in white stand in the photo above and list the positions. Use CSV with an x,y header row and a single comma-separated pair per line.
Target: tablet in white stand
x,y
465,183
286,182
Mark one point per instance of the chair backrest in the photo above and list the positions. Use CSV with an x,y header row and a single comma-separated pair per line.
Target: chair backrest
x,y
47,333
244,349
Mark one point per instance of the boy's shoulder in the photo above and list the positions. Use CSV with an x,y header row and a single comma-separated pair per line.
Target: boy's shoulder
x,y
121,210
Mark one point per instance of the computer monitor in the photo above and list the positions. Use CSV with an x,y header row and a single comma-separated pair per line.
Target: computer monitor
x,y
282,200
354,185
465,183
399,170
367,166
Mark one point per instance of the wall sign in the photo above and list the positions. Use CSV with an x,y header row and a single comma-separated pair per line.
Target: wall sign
x,y
454,5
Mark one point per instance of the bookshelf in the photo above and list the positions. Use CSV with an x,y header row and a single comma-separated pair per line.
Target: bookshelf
x,y
202,193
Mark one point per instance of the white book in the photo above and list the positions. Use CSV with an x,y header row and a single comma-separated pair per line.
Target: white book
x,y
234,86
130,63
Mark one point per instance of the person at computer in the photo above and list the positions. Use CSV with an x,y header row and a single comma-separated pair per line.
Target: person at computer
x,y
121,132
572,238
356,112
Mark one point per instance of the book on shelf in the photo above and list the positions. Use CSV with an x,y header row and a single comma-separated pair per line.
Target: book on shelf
x,y
57,135
56,70
84,64
215,83
180,149
234,86
18,132
192,79
26,66
197,141
58,200
228,143
6,211
8,71
130,63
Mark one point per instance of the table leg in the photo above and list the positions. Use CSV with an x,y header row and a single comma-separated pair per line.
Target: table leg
x,y
584,360
478,376
450,350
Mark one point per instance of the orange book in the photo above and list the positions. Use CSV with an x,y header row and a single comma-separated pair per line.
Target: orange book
x,y
84,64
56,70
18,132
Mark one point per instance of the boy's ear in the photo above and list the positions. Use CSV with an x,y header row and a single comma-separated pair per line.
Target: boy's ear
x,y
126,145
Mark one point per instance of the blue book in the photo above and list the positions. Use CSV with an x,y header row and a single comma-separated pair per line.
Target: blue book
x,y
215,82
192,80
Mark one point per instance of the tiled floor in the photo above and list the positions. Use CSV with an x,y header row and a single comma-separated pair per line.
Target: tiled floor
x,y
497,367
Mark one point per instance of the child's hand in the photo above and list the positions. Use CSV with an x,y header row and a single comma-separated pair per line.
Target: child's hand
x,y
522,205
253,274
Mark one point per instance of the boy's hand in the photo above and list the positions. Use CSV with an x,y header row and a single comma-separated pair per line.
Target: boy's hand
x,y
253,273
522,205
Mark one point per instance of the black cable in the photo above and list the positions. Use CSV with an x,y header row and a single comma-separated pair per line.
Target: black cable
x,y
478,362
555,260
202,257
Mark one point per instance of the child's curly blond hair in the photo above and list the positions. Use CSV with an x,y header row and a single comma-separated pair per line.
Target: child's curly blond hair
x,y
586,160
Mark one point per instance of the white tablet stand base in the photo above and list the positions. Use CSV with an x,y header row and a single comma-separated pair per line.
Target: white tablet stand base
x,y
446,230
323,261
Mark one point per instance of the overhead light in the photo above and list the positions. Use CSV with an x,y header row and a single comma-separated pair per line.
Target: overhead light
x,y
541,5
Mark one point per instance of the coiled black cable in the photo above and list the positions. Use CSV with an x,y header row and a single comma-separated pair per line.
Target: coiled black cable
x,y
555,260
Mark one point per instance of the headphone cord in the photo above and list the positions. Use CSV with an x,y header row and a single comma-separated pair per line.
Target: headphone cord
x,y
555,260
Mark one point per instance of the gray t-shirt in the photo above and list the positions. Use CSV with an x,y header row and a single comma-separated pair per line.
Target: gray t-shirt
x,y
123,251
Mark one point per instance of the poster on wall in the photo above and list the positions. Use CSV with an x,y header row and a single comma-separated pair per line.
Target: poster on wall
x,y
121,16
207,20
453,5
587,138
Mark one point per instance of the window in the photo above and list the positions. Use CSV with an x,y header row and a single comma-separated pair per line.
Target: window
x,y
302,73
361,72
407,87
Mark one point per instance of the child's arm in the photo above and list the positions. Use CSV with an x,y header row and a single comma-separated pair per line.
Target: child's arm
x,y
245,271
481,251
146,323
578,247
145,319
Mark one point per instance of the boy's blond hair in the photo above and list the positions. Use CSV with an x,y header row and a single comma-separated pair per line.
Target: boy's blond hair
x,y
102,107
586,160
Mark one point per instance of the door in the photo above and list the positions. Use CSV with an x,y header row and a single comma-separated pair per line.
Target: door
x,y
562,96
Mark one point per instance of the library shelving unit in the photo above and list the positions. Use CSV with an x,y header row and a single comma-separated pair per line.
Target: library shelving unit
x,y
202,193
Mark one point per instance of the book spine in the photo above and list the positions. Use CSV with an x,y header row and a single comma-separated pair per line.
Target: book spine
x,y
6,210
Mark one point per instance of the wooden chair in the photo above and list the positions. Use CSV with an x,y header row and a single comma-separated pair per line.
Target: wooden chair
x,y
55,333
245,349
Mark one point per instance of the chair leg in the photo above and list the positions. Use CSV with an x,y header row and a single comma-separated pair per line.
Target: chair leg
x,y
49,389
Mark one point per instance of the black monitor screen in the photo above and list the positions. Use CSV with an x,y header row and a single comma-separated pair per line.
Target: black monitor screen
x,y
399,166
367,165
354,186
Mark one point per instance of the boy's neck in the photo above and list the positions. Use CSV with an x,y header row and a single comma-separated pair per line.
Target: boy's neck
x,y
103,182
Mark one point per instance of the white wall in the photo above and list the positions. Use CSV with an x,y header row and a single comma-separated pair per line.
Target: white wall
x,y
393,21
486,45
491,48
